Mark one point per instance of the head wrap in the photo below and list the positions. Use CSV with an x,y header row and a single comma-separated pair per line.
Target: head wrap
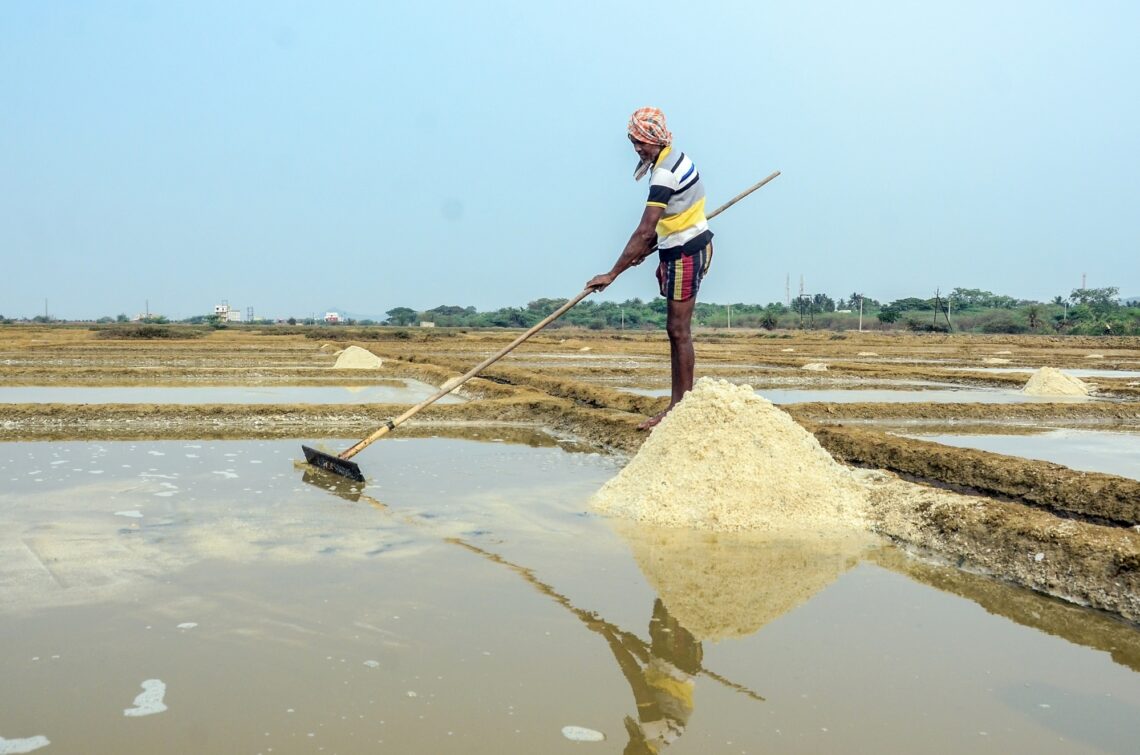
x,y
647,125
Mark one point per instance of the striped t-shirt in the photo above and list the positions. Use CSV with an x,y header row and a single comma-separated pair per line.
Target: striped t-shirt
x,y
676,186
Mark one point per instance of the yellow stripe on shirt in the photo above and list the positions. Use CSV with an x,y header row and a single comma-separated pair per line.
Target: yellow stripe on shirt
x,y
682,220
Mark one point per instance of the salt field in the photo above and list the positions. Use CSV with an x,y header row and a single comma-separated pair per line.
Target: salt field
x,y
184,596
842,396
412,391
1088,450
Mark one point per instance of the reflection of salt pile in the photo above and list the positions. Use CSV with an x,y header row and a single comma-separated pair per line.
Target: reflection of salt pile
x,y
356,358
1049,381
729,585
726,459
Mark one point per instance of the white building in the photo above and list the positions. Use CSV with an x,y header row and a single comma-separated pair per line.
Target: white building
x,y
226,313
332,318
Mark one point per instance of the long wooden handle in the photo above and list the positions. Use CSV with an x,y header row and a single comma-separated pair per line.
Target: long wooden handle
x,y
451,385
741,196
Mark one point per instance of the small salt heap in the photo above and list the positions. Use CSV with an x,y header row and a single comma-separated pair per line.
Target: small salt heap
x,y
1049,381
356,358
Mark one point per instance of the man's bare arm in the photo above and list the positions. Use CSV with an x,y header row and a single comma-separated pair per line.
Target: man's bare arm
x,y
639,246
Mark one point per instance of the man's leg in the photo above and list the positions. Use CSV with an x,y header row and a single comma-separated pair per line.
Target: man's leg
x,y
679,325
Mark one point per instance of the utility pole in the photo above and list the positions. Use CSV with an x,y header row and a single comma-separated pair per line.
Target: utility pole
x,y
860,314
730,317
1083,282
788,290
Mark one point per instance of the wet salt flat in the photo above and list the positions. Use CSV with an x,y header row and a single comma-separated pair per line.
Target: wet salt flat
x,y
466,601
1087,450
1077,372
847,396
412,392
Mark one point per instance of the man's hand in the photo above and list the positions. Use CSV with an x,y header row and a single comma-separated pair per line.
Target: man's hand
x,y
599,282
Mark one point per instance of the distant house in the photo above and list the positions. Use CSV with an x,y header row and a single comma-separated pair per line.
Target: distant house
x,y
426,324
332,318
226,313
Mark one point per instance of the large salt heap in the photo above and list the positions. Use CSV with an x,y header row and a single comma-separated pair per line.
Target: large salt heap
x,y
726,459
1049,381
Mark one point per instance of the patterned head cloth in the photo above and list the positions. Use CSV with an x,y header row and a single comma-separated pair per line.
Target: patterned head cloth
x,y
648,125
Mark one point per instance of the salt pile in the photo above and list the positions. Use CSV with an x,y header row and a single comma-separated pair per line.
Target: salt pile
x,y
726,459
356,358
1049,381
816,366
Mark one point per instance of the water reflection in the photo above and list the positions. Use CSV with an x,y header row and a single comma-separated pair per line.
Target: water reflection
x,y
1073,623
723,585
661,672
660,678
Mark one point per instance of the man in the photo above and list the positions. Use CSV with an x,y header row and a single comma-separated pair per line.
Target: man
x,y
674,224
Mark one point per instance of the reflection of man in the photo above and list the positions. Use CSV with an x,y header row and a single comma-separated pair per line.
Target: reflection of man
x,y
661,679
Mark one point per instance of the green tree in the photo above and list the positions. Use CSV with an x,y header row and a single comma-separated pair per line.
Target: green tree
x,y
888,315
910,303
1101,301
402,316
823,303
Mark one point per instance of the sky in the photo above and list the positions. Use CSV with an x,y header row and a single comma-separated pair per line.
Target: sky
x,y
300,157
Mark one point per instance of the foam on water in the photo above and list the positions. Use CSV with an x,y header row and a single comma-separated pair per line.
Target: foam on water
x,y
582,734
27,744
149,701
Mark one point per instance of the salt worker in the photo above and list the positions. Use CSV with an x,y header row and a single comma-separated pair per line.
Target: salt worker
x,y
674,224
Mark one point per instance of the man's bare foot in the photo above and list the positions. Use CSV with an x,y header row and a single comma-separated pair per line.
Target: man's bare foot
x,y
653,421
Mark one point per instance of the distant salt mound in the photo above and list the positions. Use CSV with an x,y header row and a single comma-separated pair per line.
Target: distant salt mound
x,y
725,459
1094,356
815,366
1049,381
867,354
356,358
995,360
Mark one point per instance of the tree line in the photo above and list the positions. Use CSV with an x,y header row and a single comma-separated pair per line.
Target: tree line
x,y
1089,311
1085,311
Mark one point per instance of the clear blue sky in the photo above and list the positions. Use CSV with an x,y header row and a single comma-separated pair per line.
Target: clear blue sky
x,y
301,156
